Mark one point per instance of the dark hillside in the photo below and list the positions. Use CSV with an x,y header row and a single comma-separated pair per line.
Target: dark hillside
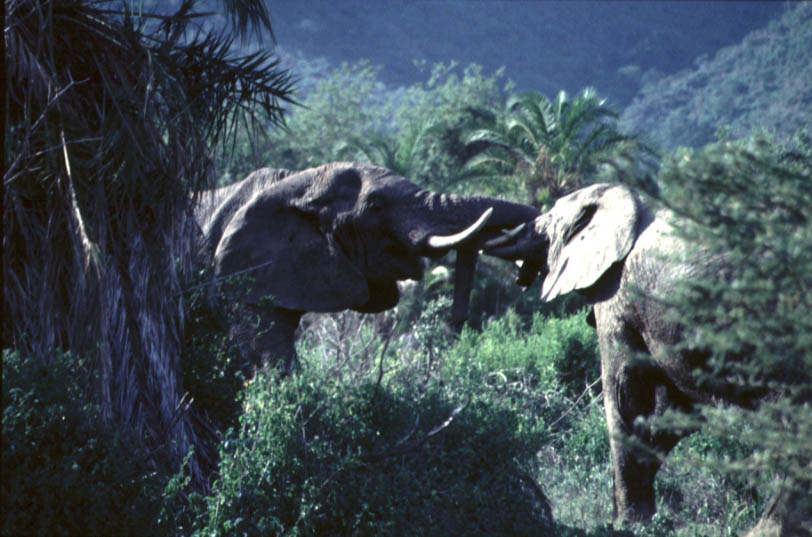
x,y
763,82
545,46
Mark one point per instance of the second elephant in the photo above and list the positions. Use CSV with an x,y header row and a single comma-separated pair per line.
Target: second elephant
x,y
624,256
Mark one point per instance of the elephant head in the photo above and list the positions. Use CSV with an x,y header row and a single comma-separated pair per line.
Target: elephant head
x,y
575,243
339,236
606,243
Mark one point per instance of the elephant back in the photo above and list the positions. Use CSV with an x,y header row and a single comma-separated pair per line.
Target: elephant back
x,y
217,207
661,257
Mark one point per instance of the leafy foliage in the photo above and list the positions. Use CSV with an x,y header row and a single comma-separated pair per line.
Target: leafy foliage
x,y
313,456
65,472
557,357
340,106
110,120
751,200
350,115
549,147
211,372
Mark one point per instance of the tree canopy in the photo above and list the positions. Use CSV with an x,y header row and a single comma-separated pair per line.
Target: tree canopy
x,y
111,115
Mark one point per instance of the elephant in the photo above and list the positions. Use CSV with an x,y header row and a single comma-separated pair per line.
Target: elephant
x,y
623,256
336,237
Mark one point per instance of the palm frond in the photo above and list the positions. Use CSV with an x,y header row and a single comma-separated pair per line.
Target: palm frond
x,y
112,115
488,164
489,136
553,145
535,114
249,16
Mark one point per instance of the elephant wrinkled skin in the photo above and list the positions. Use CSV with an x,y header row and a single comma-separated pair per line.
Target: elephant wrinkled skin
x,y
605,243
335,237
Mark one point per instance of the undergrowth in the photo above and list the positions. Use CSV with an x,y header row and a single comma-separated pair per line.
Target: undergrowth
x,y
499,432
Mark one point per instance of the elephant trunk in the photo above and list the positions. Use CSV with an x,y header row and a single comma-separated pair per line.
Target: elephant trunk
x,y
485,218
463,282
447,214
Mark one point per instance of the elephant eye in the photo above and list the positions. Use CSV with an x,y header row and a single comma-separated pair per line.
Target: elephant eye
x,y
375,205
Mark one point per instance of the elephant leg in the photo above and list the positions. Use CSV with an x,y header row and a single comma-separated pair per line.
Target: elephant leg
x,y
633,472
789,512
265,338
634,388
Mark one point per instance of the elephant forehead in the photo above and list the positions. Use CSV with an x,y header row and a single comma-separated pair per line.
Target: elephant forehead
x,y
389,186
571,204
367,177
338,187
616,204
586,194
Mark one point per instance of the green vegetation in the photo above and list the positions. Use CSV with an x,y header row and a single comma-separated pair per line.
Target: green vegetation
x,y
393,426
752,200
763,82
318,456
65,471
549,147
350,115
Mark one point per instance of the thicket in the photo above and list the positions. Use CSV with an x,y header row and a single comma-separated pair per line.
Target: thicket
x,y
751,200
66,471
406,435
396,427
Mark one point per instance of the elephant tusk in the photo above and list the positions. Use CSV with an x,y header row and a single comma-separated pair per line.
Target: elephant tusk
x,y
444,242
504,238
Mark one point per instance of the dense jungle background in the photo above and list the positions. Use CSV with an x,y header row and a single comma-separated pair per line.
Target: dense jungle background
x,y
122,414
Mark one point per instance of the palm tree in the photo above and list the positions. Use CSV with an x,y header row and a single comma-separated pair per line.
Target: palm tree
x,y
550,147
401,152
111,117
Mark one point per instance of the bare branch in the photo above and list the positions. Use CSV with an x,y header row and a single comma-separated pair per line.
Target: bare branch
x,y
406,445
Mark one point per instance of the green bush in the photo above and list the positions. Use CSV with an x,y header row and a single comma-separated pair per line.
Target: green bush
x,y
751,200
64,471
552,355
317,457
210,360
587,441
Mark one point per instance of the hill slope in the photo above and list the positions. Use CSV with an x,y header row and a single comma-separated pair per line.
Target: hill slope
x,y
545,46
764,81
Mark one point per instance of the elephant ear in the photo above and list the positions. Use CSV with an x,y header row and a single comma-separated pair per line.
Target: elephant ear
x,y
289,259
589,230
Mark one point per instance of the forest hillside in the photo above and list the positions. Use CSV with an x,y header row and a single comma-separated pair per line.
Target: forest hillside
x,y
676,72
544,46
765,81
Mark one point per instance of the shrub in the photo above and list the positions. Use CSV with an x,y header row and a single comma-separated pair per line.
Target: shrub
x,y
313,456
554,355
586,443
210,364
751,200
65,472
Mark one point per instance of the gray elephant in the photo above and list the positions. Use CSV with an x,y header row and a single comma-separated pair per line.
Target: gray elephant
x,y
337,237
605,243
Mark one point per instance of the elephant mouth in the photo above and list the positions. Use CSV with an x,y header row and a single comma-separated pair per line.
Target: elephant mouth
x,y
401,265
